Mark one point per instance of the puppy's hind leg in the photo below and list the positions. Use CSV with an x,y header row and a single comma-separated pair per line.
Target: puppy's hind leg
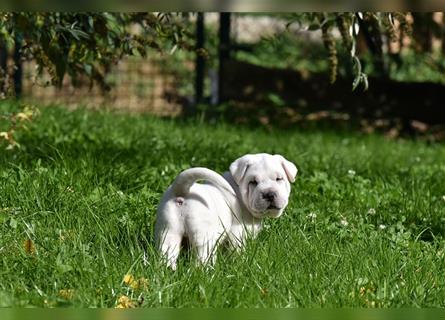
x,y
170,245
206,250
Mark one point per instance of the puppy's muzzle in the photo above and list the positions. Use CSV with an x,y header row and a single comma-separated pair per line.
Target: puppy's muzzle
x,y
270,197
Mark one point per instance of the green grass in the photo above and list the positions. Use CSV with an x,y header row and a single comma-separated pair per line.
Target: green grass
x,y
365,225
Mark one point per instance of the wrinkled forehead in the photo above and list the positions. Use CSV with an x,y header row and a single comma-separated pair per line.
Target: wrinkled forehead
x,y
265,167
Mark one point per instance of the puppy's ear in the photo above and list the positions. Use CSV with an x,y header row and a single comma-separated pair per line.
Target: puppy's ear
x,y
290,169
239,167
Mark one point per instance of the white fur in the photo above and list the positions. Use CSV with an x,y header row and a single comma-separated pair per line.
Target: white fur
x,y
230,207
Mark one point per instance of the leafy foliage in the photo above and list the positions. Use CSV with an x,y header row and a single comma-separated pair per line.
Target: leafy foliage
x,y
372,25
82,45
12,121
88,44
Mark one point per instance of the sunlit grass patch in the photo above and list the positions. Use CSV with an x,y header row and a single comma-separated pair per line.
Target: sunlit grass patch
x,y
365,224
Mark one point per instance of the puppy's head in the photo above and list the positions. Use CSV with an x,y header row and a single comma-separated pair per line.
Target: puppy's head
x,y
264,183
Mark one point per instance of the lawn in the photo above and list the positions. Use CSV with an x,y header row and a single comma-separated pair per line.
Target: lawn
x,y
365,226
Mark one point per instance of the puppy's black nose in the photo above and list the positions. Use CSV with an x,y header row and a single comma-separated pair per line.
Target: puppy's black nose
x,y
269,196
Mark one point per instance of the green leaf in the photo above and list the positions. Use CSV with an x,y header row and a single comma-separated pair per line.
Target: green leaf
x,y
13,223
314,27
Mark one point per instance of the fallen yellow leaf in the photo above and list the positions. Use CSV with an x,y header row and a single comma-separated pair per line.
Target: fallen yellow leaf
x,y
4,135
24,116
130,281
125,302
67,294
142,283
28,244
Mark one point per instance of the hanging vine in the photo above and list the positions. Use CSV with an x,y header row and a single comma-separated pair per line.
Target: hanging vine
x,y
371,25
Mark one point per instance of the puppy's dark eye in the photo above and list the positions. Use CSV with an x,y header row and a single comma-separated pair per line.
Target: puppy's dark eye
x,y
253,183
279,179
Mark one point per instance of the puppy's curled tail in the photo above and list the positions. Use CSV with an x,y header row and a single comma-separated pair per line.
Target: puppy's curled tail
x,y
183,182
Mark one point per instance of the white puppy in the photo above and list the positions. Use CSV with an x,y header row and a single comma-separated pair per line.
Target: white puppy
x,y
230,207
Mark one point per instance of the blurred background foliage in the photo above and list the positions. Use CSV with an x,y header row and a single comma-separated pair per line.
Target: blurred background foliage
x,y
83,50
87,44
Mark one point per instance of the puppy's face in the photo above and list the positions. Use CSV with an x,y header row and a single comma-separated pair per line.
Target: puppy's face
x,y
264,183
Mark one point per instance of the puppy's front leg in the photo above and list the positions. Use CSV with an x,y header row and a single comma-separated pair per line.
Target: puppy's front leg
x,y
237,237
240,233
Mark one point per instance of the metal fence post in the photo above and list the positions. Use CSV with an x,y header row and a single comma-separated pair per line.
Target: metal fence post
x,y
18,70
3,65
200,61
3,55
224,51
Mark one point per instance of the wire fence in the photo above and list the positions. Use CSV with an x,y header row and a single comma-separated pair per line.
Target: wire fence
x,y
137,85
